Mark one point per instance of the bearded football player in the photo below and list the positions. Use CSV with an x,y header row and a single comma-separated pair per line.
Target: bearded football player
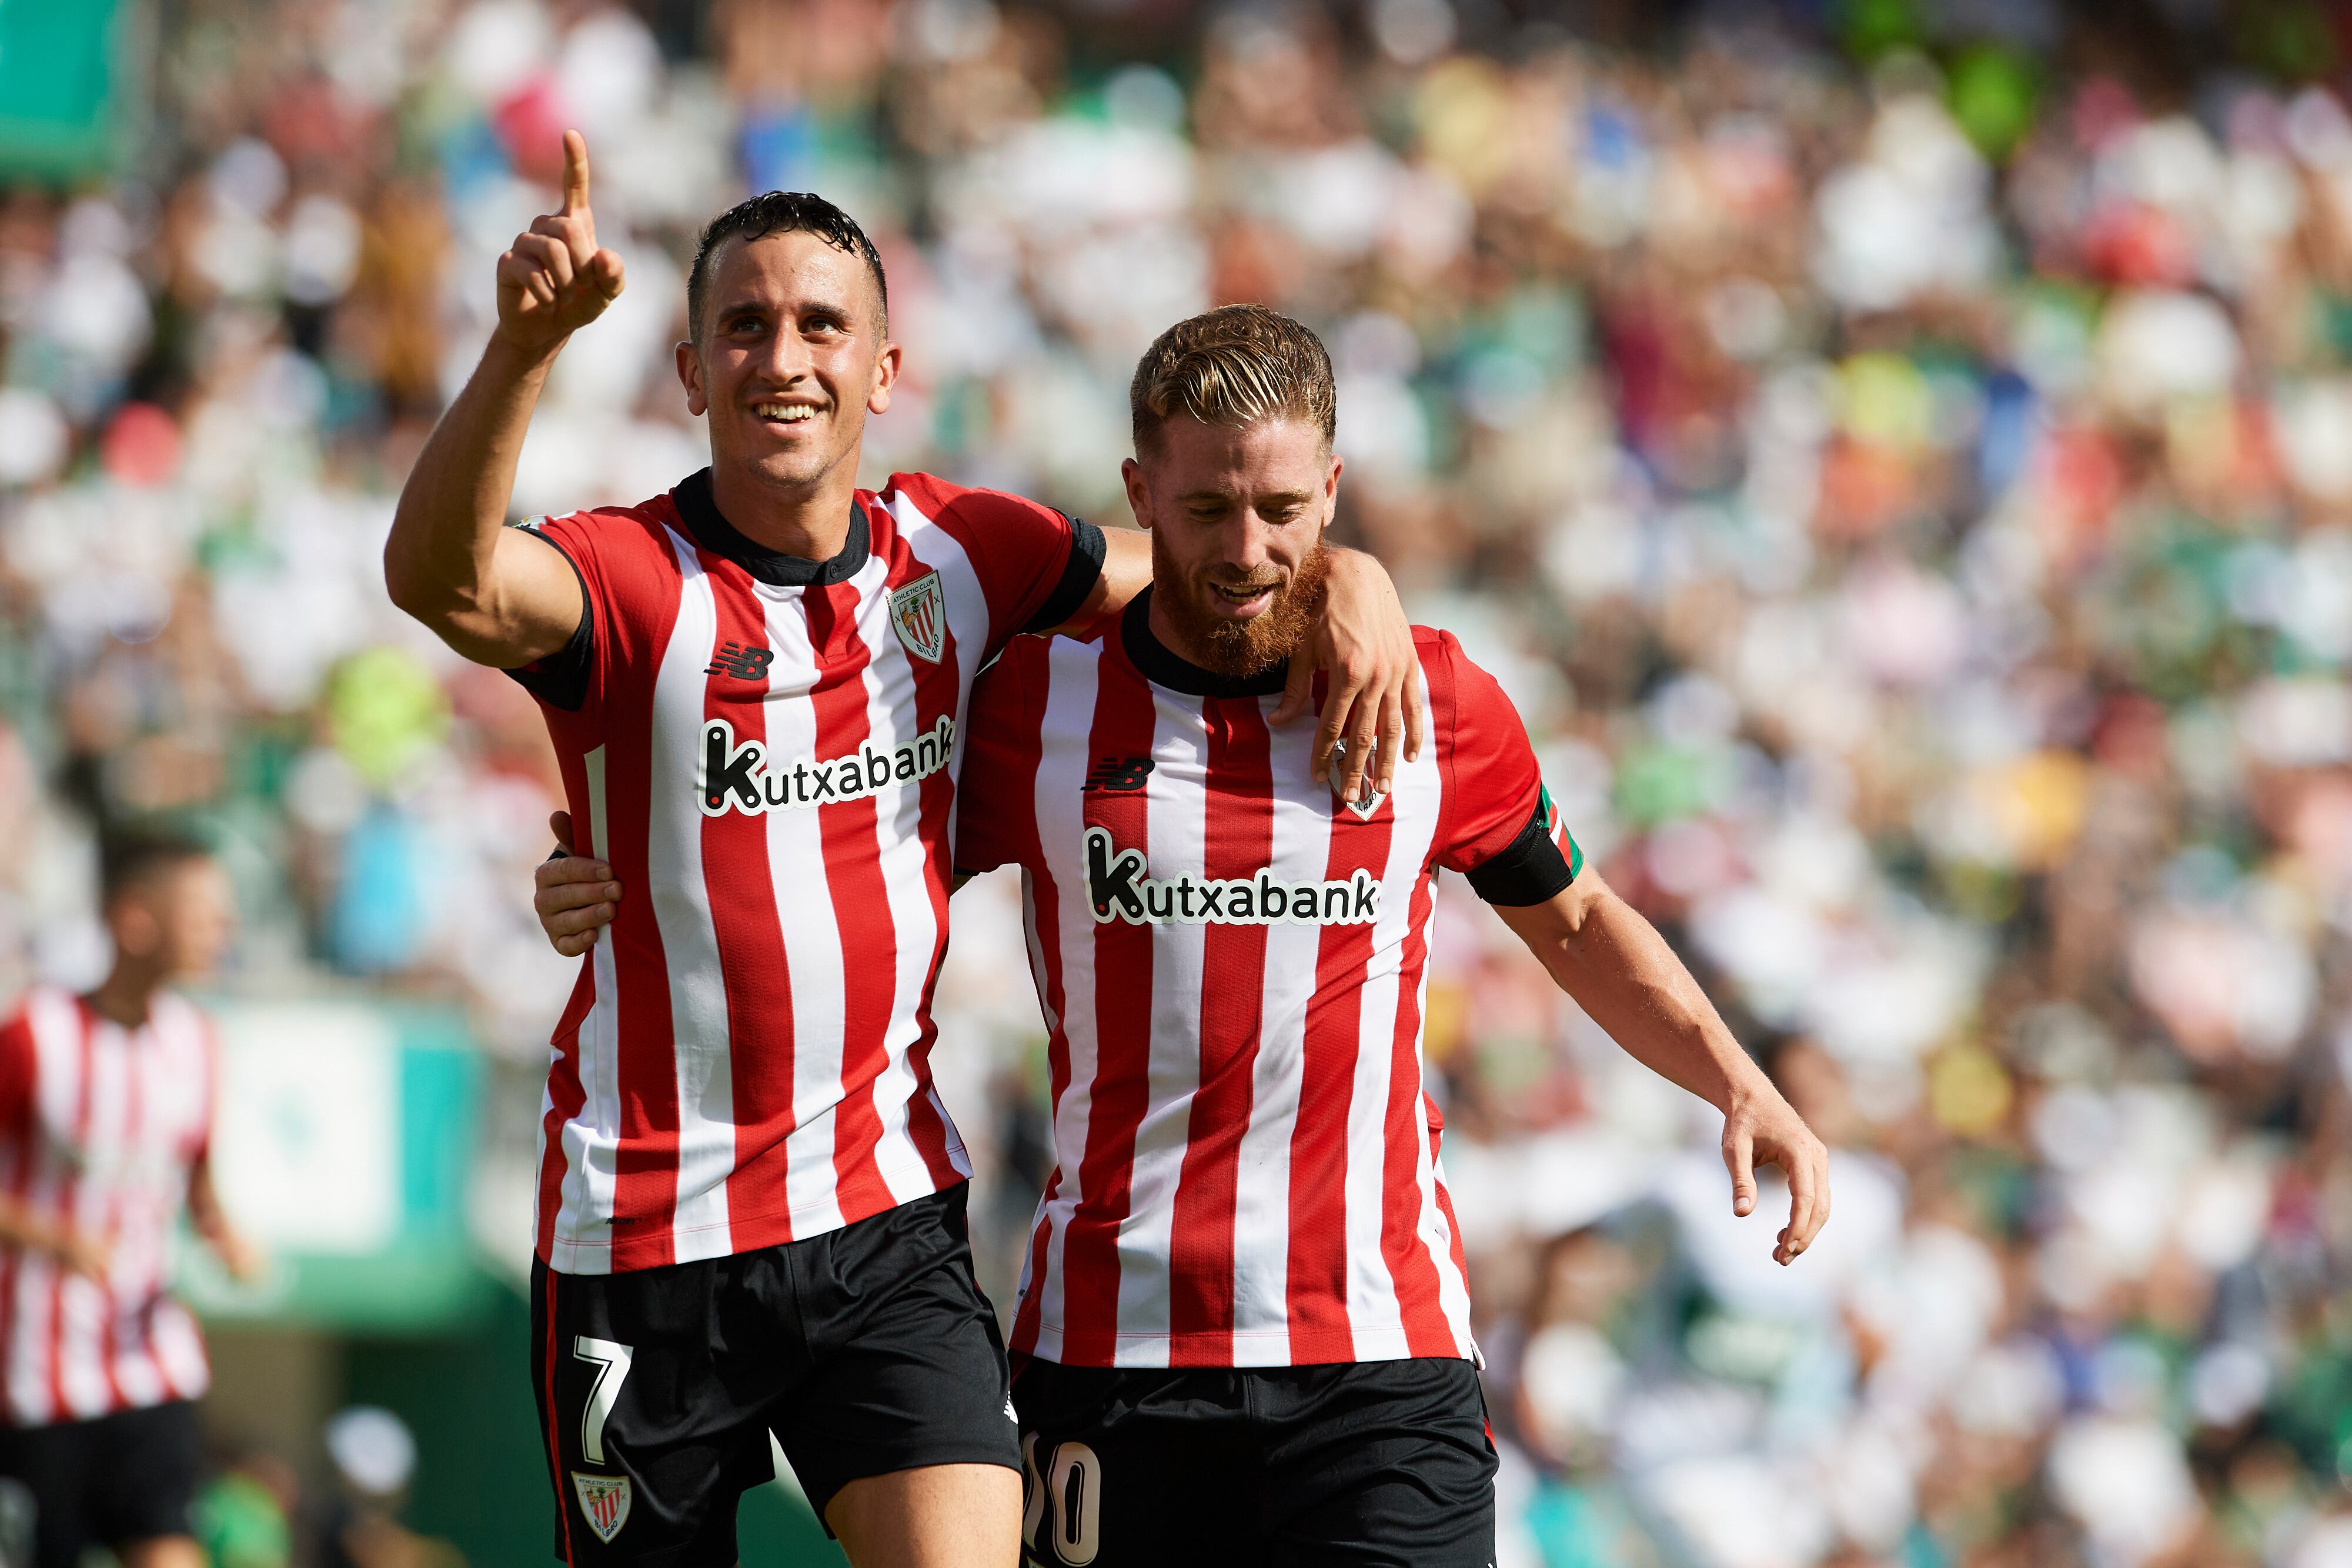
x,y
751,1200
1244,1330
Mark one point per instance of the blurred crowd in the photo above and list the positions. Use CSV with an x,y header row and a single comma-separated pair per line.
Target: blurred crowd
x,y
1901,471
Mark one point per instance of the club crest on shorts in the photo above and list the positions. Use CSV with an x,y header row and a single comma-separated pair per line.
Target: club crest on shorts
x,y
604,1500
919,613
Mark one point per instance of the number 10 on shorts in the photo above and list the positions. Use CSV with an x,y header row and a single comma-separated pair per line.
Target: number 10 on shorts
x,y
1062,1498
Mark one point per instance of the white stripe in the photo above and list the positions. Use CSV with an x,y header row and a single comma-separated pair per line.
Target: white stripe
x,y
1374,1313
682,905
812,936
86,1304
1175,829
591,1140
29,1354
181,1350
1302,850
1072,679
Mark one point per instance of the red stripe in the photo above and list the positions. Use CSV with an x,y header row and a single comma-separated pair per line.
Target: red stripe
x,y
1238,843
644,1185
850,834
935,698
1411,1271
1316,1277
749,929
17,1143
554,1444
1121,1091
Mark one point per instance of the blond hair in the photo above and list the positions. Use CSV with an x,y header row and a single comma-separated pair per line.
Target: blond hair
x,y
1233,366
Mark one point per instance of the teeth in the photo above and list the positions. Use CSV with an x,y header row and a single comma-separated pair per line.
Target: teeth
x,y
788,413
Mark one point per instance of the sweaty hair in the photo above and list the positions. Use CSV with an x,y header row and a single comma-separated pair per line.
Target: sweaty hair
x,y
1233,366
127,858
781,212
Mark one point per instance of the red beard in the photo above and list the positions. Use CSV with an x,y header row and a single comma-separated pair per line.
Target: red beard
x,y
1239,649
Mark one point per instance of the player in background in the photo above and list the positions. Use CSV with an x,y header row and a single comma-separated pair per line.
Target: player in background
x,y
1245,1283
750,1209
106,1116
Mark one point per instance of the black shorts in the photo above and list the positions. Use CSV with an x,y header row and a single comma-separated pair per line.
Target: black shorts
x,y
865,1349
106,1482
1377,1462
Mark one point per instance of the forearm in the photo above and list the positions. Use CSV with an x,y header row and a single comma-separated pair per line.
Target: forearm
x,y
445,533
22,1229
1629,981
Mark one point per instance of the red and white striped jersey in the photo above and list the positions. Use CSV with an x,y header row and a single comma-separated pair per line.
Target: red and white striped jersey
x,y
99,1129
1231,965
765,750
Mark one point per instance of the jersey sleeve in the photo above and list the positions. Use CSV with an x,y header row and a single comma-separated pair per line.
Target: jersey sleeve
x,y
1499,826
995,792
1036,566
572,678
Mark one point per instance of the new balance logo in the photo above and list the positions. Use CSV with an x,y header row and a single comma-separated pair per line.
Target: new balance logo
x,y
1117,889
741,661
1120,774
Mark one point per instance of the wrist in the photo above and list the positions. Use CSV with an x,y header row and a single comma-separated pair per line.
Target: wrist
x,y
520,359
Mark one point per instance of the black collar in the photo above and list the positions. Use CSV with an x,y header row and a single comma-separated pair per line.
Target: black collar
x,y
717,535
1164,666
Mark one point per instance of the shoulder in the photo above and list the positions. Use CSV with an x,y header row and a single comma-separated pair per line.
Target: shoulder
x,y
936,500
612,532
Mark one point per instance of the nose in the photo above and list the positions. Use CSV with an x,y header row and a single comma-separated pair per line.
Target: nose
x,y
1246,542
788,359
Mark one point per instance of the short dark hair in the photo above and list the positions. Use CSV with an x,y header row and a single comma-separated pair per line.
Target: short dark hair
x,y
128,857
1233,366
781,212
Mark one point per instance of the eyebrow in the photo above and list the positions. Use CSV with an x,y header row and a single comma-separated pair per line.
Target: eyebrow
x,y
1296,498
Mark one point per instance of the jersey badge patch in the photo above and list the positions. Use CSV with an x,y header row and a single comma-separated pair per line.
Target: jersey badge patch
x,y
919,613
604,1501
1366,806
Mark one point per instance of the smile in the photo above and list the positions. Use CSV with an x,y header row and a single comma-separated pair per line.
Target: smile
x,y
1246,594
785,412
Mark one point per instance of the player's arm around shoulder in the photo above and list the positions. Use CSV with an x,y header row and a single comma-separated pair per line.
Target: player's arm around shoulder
x,y
498,596
1603,953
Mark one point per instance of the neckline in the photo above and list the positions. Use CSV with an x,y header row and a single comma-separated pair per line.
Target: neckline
x,y
714,533
1156,662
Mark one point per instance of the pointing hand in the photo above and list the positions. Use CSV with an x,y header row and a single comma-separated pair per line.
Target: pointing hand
x,y
555,280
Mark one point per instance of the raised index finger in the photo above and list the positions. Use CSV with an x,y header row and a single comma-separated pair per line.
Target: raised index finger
x,y
575,173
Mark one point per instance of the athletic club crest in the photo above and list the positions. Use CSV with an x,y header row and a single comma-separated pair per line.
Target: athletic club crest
x,y
919,613
605,1499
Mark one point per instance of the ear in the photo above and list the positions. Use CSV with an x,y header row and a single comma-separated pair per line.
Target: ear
x,y
135,929
690,375
1331,491
886,376
1139,493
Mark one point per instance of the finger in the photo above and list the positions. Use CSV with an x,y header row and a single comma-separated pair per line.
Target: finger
x,y
574,235
553,256
1297,690
572,946
1363,726
1391,739
575,172
552,901
525,277
1337,703
572,921
1739,1156
605,271
570,869
1413,717
559,824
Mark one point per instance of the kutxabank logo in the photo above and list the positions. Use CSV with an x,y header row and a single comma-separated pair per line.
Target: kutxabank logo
x,y
1117,889
744,778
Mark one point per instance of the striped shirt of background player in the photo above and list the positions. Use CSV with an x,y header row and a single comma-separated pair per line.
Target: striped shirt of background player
x,y
99,1129
744,1058
1249,1167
